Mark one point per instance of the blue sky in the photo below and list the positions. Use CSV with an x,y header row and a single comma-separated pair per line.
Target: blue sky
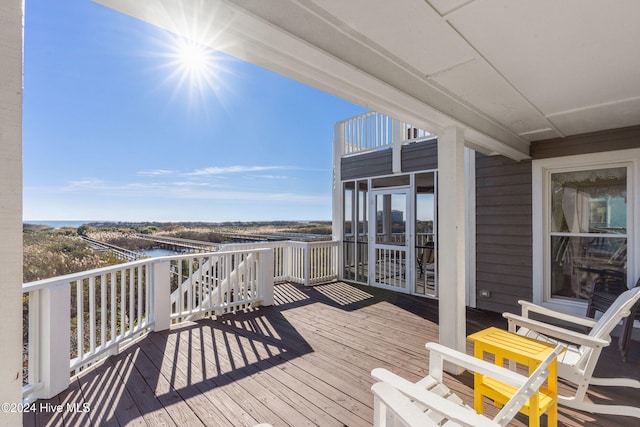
x,y
116,129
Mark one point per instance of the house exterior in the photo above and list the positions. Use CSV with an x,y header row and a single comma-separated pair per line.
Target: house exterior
x,y
540,99
521,242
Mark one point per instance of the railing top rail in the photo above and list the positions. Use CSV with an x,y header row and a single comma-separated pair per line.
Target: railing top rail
x,y
54,281
360,116
280,243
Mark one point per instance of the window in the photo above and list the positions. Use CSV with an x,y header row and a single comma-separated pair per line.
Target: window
x,y
348,237
584,217
355,231
588,230
391,219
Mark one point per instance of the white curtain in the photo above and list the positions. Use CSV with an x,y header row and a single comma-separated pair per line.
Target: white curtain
x,y
576,209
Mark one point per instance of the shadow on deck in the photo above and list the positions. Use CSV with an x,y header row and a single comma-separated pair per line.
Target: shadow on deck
x,y
304,361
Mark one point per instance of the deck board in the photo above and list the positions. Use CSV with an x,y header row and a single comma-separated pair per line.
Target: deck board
x,y
305,361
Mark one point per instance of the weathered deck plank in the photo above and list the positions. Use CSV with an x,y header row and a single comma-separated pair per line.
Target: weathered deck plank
x,y
305,361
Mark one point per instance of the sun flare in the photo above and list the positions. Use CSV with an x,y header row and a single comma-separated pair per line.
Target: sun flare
x,y
193,58
194,67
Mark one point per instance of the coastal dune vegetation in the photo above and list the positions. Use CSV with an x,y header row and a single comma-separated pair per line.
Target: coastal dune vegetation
x,y
50,252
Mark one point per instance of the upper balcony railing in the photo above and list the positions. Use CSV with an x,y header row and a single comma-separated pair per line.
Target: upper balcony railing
x,y
375,131
74,321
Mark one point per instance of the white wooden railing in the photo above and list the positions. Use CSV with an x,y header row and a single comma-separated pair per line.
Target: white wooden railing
x,y
374,131
77,320
217,284
306,263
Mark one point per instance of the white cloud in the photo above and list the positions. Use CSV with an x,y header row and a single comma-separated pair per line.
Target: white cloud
x,y
185,190
156,172
215,170
272,176
85,183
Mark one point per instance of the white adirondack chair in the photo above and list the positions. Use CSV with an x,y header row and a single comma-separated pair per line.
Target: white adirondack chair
x,y
390,407
437,403
577,363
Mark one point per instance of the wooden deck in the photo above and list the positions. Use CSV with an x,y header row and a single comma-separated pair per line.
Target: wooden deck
x,y
304,361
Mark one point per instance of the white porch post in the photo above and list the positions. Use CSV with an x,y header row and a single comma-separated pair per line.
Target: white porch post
x,y
306,264
336,205
11,14
161,296
451,237
336,199
53,307
397,138
266,276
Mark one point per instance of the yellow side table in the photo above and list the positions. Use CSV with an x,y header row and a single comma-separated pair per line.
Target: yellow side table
x,y
504,345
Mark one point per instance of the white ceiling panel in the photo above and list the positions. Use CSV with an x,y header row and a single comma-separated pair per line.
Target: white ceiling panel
x,y
596,118
433,45
478,84
561,55
446,6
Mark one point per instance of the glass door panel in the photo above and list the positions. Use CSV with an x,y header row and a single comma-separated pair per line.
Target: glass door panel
x,y
425,242
355,231
362,240
348,236
390,249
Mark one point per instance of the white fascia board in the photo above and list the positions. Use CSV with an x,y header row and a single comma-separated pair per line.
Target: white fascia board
x,y
239,33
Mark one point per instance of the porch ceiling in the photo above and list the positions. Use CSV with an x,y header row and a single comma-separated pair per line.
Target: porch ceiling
x,y
508,72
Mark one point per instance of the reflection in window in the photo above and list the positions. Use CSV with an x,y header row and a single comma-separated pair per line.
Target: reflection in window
x,y
355,231
589,201
588,227
425,244
363,233
348,238
391,215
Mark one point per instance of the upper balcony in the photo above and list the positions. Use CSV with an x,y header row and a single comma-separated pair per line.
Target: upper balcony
x,y
375,131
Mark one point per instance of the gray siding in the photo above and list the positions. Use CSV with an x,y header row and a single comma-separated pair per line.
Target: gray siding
x,y
503,214
609,140
503,232
366,165
420,156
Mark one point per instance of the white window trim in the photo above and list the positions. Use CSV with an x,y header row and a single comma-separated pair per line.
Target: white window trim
x,y
541,171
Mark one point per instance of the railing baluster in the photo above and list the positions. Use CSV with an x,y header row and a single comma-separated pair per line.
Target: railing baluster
x,y
103,310
227,274
203,281
189,297
139,270
123,303
112,275
183,293
220,277
92,314
147,290
131,300
80,318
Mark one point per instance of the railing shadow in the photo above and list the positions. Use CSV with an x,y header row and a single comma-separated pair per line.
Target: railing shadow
x,y
177,376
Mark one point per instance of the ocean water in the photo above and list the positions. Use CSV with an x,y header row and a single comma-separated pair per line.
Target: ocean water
x,y
158,252
57,224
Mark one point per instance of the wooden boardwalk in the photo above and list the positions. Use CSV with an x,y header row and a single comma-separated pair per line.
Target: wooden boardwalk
x,y
304,361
